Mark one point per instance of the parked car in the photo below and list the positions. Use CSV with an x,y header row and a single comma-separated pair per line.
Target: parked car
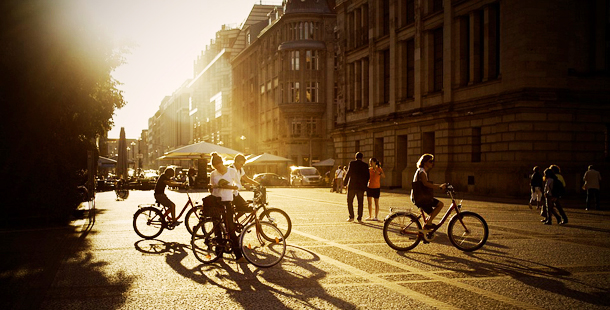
x,y
270,179
305,176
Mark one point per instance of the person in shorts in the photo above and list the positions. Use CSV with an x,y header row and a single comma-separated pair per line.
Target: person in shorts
x,y
422,193
373,190
164,181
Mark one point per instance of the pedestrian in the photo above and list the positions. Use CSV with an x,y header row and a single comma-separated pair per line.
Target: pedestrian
x,y
356,180
373,190
223,181
592,179
536,187
559,192
339,179
422,192
551,182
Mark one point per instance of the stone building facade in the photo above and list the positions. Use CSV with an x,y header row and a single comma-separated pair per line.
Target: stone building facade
x,y
491,87
283,82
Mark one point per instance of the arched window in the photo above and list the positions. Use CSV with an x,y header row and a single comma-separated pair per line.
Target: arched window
x,y
306,30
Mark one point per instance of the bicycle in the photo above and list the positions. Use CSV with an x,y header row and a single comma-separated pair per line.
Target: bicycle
x,y
467,231
261,243
276,216
150,219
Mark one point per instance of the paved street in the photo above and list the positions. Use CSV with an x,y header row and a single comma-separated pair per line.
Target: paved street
x,y
332,264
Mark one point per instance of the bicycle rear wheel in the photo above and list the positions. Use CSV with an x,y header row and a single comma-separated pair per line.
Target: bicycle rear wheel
x,y
148,222
279,218
467,231
257,249
205,241
401,231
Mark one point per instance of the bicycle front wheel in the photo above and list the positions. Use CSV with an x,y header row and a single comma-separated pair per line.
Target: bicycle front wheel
x,y
205,241
148,222
401,231
257,249
279,218
467,231
191,219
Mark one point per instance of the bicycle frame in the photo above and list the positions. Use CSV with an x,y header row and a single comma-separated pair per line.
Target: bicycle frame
x,y
167,211
452,207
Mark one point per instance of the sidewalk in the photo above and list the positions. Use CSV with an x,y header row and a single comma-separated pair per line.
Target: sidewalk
x,y
30,260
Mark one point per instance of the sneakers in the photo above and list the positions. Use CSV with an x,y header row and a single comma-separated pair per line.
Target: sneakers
x,y
376,219
369,219
349,219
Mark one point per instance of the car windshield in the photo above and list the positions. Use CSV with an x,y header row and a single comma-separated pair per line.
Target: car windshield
x,y
310,171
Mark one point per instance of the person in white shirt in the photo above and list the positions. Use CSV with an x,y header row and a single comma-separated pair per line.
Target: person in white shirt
x,y
592,178
223,182
339,175
238,164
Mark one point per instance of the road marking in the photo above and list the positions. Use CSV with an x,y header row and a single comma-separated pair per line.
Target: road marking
x,y
403,290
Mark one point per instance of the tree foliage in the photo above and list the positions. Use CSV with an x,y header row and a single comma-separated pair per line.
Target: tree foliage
x,y
57,96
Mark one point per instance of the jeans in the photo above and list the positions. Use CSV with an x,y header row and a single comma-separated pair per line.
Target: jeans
x,y
593,194
350,202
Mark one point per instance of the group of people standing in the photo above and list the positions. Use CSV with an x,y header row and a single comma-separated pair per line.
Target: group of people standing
x,y
360,178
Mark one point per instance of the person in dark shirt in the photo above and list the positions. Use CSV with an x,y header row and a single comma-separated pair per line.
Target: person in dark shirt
x,y
356,180
536,185
164,181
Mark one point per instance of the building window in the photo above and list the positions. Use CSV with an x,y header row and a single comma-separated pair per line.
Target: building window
x,y
294,92
311,91
296,128
438,59
436,5
294,60
311,127
385,55
311,60
385,17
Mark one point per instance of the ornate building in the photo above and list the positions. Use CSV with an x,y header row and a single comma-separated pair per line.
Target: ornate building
x,y
491,87
283,82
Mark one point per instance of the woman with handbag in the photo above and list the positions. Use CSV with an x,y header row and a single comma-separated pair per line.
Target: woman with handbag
x,y
422,192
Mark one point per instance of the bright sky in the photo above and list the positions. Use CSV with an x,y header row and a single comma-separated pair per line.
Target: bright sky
x,y
169,37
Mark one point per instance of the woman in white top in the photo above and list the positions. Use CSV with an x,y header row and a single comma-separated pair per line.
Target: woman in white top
x,y
223,182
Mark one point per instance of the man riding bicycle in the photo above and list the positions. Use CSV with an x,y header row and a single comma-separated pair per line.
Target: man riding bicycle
x,y
422,192
164,181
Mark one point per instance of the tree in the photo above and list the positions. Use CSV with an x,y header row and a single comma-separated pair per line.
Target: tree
x,y
57,96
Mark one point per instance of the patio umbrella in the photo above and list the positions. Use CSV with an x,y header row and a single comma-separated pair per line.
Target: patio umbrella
x,y
121,167
194,151
326,162
265,159
104,162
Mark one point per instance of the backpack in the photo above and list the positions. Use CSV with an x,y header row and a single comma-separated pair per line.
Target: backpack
x,y
558,188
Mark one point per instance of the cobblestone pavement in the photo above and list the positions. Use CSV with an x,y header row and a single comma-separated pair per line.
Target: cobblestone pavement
x,y
330,263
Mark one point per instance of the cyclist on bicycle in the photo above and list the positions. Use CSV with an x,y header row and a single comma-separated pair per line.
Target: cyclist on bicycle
x,y
223,182
422,192
164,181
238,163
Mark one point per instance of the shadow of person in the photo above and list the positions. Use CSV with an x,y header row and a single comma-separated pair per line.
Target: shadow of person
x,y
294,280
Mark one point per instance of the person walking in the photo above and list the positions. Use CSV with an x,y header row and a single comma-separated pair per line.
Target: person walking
x,y
592,179
550,193
356,180
536,187
339,174
373,190
559,192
